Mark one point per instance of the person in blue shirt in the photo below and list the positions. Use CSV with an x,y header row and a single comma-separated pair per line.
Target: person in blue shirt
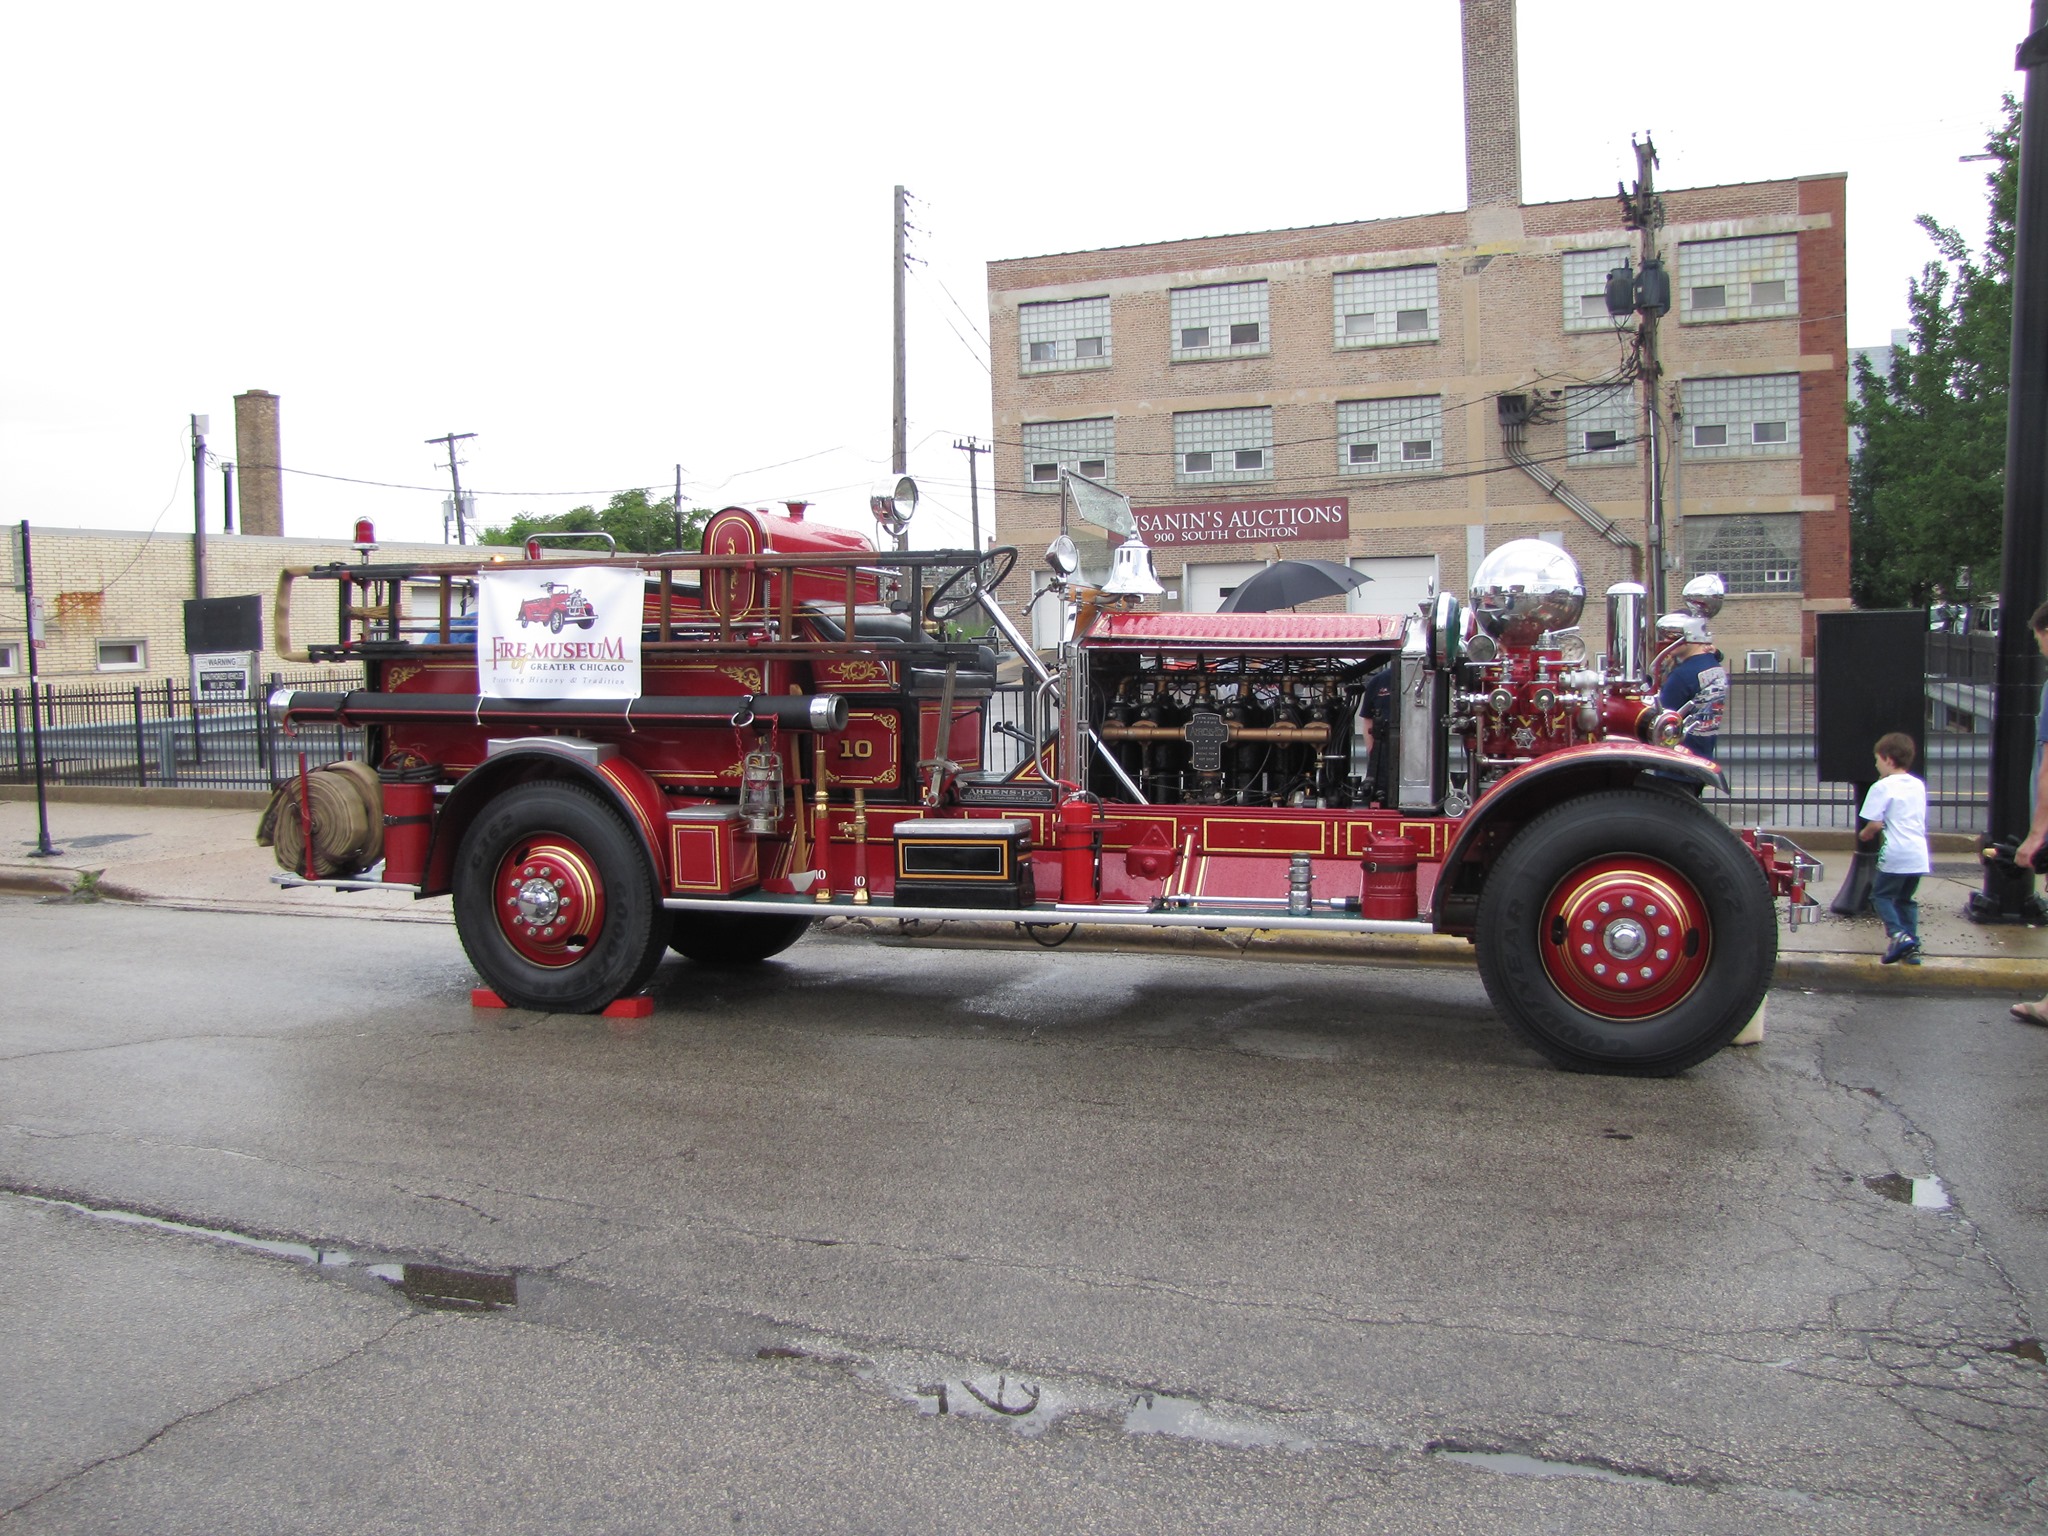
x,y
1696,686
2037,829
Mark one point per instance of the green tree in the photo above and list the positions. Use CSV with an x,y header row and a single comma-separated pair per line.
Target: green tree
x,y
640,526
1927,492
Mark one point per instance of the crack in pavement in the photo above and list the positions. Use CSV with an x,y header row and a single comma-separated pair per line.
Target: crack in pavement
x,y
196,1414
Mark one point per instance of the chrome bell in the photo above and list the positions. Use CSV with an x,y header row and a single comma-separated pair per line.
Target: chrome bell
x,y
1130,571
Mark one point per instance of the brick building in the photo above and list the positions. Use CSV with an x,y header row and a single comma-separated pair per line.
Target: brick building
x,y
1338,392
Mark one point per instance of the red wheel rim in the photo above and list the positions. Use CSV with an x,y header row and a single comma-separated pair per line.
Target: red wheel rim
x,y
549,900
1626,938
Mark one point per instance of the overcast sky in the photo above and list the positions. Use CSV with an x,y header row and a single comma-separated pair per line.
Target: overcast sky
x,y
609,239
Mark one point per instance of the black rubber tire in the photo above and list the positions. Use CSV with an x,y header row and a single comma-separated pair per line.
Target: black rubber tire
x,y
628,948
1740,912
555,622
727,938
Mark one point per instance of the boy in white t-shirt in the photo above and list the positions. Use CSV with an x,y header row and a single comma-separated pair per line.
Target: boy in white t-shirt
x,y
1897,807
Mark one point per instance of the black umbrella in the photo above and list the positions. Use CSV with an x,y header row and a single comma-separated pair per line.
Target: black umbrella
x,y
1288,582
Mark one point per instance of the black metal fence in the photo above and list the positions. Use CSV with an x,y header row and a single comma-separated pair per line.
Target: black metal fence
x,y
150,734
1767,745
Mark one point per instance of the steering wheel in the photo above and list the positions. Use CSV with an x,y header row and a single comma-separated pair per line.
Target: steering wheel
x,y
984,575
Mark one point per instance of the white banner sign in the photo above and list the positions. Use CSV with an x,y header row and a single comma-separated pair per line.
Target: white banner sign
x,y
559,632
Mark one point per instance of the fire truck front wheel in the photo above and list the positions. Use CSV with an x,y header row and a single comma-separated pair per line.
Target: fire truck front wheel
x,y
727,938
1627,932
555,902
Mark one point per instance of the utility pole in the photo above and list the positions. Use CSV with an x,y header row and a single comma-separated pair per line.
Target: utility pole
x,y
199,427
679,507
899,457
1643,210
227,497
25,584
2008,895
970,447
448,440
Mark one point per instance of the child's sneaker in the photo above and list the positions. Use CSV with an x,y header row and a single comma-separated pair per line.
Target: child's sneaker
x,y
1902,945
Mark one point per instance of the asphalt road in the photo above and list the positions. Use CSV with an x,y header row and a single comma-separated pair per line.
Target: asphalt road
x,y
878,1238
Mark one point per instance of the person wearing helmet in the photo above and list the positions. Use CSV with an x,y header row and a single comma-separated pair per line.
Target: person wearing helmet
x,y
1695,681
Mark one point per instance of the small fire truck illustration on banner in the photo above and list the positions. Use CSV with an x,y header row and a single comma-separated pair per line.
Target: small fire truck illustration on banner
x,y
557,605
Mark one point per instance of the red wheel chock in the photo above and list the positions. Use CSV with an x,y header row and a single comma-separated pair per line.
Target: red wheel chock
x,y
639,1006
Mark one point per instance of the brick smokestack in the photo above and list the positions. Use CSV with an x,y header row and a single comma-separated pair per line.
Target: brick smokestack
x,y
257,462
1493,119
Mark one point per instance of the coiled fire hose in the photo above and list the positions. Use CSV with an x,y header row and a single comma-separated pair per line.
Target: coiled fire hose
x,y
348,821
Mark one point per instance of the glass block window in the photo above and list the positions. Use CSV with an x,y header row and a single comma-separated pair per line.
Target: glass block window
x,y
1059,337
1386,308
1404,436
1227,320
1756,278
1219,447
1755,555
1585,288
1086,447
1754,417
1600,424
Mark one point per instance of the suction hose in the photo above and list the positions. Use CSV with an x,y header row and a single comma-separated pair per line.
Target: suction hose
x,y
348,821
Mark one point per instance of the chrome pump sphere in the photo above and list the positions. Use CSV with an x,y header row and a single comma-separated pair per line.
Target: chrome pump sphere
x,y
1524,588
1705,594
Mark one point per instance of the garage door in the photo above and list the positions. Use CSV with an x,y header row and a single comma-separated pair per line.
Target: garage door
x,y
1400,583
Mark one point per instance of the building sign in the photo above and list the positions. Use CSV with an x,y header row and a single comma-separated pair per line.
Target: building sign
x,y
220,677
1246,522
559,632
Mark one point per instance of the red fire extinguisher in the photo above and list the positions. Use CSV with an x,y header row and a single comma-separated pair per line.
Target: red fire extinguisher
x,y
1079,842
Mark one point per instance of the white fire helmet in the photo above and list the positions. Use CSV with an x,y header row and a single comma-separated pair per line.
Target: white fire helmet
x,y
1689,627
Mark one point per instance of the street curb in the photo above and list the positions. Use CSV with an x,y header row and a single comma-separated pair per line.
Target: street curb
x,y
192,798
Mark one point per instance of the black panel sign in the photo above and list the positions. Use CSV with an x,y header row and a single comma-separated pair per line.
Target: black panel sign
x,y
1869,678
223,624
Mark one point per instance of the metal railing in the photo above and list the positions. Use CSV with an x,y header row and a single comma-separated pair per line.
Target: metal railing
x,y
1767,745
151,734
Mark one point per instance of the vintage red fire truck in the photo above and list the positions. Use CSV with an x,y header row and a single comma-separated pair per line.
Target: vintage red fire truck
x,y
813,735
557,605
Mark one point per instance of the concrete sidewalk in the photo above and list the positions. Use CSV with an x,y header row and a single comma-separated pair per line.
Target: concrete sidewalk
x,y
198,851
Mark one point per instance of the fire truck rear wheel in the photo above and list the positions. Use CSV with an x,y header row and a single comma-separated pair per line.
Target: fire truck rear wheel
x,y
555,901
1627,932
727,938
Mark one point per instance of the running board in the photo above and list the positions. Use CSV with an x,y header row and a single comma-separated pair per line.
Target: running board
x,y
1102,914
